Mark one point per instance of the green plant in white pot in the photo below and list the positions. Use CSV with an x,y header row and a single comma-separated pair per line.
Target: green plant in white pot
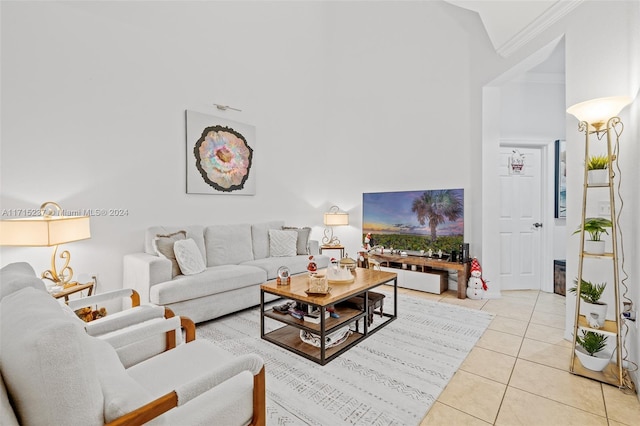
x,y
595,227
591,352
594,310
597,169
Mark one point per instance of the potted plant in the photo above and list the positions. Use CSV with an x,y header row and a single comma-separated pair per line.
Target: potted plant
x,y
597,172
590,351
595,226
594,310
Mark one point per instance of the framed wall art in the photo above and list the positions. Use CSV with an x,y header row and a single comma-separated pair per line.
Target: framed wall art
x,y
220,155
561,180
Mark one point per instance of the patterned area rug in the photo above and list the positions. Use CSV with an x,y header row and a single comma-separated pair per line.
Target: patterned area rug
x,y
391,378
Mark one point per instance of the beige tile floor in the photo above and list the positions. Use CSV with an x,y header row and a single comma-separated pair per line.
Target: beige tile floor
x,y
517,374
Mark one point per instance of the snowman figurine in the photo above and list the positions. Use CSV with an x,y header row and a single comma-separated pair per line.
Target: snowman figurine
x,y
477,285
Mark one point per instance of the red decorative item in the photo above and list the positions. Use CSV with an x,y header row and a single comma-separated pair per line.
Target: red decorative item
x,y
475,267
312,267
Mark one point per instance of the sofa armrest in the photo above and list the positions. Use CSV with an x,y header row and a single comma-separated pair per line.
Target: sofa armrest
x,y
142,271
314,247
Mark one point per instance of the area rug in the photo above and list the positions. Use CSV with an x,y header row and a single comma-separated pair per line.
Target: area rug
x,y
391,378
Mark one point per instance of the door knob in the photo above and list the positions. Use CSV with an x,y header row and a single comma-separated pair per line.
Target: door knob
x,y
537,225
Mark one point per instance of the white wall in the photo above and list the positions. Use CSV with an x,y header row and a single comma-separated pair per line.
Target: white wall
x,y
346,98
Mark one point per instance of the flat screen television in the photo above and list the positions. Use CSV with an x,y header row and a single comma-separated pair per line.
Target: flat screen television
x,y
415,220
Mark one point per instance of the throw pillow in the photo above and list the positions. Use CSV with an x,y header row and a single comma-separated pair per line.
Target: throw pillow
x,y
164,248
189,257
282,243
302,246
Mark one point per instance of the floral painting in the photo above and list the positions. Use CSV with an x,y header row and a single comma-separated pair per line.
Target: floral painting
x,y
219,155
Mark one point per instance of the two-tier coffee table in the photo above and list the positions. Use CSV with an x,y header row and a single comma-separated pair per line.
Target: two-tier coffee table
x,y
288,336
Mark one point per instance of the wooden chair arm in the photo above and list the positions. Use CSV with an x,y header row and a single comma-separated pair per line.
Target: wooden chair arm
x,y
135,298
189,328
259,400
148,411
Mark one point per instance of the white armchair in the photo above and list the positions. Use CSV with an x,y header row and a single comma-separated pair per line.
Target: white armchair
x,y
79,378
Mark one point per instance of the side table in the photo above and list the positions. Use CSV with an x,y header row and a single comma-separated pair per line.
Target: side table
x,y
74,288
327,247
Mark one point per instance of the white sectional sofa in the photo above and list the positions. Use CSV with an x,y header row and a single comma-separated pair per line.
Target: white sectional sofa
x,y
236,259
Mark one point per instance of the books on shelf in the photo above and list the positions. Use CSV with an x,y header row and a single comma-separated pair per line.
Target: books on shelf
x,y
314,316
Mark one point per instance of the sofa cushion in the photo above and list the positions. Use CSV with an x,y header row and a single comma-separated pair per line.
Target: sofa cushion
x,y
303,238
164,248
188,256
193,231
260,237
47,368
282,243
215,279
163,374
296,264
228,244
16,276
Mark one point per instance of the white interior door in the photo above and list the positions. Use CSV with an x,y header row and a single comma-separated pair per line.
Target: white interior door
x,y
520,218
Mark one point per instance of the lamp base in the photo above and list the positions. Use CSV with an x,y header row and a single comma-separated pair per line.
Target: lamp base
x,y
63,277
329,239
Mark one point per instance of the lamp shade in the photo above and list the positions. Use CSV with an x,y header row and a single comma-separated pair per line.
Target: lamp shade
x,y
44,231
336,219
597,112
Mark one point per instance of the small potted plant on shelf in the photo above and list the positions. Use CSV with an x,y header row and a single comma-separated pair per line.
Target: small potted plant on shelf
x,y
597,172
590,350
594,310
595,226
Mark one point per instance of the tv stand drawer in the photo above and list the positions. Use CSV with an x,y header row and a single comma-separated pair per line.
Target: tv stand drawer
x,y
430,281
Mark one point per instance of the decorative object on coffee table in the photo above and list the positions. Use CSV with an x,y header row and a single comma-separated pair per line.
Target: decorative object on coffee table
x,y
318,284
284,276
339,274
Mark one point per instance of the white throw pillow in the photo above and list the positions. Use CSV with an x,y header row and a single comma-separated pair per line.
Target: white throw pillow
x,y
189,257
164,247
282,243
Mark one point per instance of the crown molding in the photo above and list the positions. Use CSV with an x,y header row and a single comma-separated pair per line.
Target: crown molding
x,y
541,78
537,26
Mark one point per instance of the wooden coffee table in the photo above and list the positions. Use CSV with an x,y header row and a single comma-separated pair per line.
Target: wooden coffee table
x,y
288,336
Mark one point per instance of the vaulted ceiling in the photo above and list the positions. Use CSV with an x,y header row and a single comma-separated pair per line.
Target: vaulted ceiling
x,y
511,24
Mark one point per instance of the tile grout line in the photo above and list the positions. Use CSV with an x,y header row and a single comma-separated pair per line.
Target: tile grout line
x,y
506,389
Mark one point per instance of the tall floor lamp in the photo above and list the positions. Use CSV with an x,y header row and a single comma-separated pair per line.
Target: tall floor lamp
x,y
51,228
